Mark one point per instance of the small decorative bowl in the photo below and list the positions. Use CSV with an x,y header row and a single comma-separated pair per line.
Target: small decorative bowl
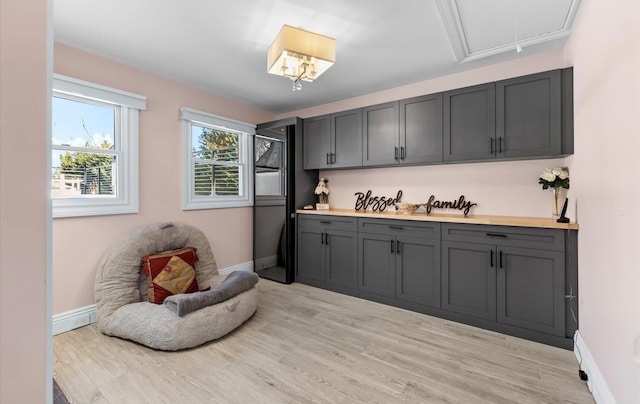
x,y
407,208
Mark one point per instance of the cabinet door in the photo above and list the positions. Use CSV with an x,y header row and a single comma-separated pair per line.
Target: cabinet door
x,y
529,116
421,129
346,139
470,123
469,279
341,258
418,270
311,250
380,135
531,289
316,142
376,264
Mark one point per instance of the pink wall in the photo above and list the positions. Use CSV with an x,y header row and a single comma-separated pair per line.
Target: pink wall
x,y
24,78
504,188
78,243
605,51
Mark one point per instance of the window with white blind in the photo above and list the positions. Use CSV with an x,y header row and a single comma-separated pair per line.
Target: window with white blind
x,y
217,161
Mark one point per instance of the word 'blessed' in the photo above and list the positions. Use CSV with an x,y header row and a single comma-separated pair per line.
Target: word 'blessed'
x,y
379,203
460,204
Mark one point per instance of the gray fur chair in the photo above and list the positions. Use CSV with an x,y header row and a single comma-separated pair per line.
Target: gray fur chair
x,y
122,306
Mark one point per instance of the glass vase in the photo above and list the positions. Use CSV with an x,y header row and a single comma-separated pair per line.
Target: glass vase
x,y
556,203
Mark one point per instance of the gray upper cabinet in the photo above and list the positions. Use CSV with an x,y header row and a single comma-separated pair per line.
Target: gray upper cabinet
x,y
333,141
346,138
470,123
404,132
421,129
528,116
380,142
316,142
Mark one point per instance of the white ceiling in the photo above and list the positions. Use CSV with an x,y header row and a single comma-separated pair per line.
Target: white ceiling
x,y
220,46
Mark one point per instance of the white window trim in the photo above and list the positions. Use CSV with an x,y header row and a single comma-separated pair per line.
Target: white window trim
x,y
127,197
245,132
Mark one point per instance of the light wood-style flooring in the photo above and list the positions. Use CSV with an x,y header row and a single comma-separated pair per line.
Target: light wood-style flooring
x,y
307,345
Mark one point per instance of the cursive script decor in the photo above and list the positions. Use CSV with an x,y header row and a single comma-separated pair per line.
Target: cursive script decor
x,y
379,203
460,204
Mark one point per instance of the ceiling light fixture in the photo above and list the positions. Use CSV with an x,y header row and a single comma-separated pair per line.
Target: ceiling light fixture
x,y
300,55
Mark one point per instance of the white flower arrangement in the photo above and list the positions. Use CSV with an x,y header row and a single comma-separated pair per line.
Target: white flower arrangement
x,y
555,177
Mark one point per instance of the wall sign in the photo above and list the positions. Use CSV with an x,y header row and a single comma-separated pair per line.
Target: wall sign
x,y
364,201
379,203
460,204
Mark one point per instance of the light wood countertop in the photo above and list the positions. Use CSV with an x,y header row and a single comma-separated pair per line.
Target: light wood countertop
x,y
539,222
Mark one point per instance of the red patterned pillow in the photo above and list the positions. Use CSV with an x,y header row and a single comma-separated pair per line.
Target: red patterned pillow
x,y
170,273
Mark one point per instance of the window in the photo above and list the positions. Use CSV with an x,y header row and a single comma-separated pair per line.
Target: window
x,y
217,161
94,149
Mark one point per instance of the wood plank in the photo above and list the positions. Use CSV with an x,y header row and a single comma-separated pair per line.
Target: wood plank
x,y
537,222
308,345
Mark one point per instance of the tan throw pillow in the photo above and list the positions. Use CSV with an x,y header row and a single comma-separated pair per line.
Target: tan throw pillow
x,y
170,273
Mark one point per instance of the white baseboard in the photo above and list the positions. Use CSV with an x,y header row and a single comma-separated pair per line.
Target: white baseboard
x,y
266,262
72,319
596,383
245,266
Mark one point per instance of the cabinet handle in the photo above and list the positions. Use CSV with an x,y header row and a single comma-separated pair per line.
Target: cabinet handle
x,y
402,153
396,228
500,144
325,221
392,247
501,260
491,142
328,158
398,247
491,266
496,235
333,158
395,153
326,238
321,238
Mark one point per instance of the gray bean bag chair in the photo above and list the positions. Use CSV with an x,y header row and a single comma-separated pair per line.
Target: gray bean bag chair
x,y
122,306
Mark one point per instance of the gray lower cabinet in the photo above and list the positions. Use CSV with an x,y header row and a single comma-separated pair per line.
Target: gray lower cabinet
x,y
400,259
497,279
327,251
516,280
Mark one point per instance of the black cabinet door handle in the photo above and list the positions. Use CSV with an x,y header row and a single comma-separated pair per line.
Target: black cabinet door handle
x,y
491,266
500,144
491,141
321,238
396,227
402,153
326,238
501,260
328,158
395,152
392,247
398,247
325,221
333,158
496,235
